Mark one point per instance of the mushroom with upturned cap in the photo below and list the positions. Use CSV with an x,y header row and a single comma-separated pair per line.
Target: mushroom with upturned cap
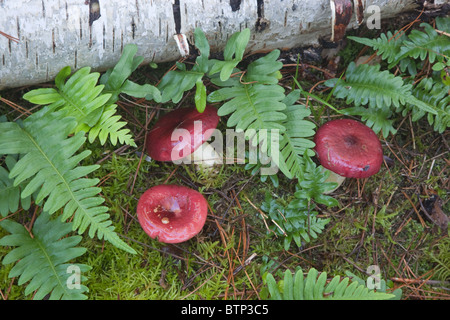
x,y
348,148
180,133
172,213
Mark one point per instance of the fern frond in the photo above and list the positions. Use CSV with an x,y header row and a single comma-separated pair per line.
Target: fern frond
x,y
435,95
233,54
379,121
176,82
315,287
43,259
79,97
295,222
313,185
425,44
254,105
50,165
109,125
294,141
116,80
387,46
9,193
366,85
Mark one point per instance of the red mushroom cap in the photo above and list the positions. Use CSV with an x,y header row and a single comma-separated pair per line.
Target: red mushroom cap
x,y
348,148
159,139
172,213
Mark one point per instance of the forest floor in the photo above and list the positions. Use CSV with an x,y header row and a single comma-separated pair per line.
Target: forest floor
x,y
380,221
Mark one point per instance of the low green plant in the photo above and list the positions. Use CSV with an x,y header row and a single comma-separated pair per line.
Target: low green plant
x,y
298,220
379,93
314,286
43,164
44,258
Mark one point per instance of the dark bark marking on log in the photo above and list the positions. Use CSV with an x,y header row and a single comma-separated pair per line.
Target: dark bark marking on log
x,y
104,37
43,9
94,11
113,38
133,28
176,16
3,59
235,5
75,59
67,11
37,59
53,41
81,30
18,27
261,22
26,49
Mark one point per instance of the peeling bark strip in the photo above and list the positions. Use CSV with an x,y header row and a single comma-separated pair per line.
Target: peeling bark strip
x,y
341,14
359,10
94,11
183,45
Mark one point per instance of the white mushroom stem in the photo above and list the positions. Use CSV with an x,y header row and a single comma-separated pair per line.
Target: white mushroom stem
x,y
205,156
333,177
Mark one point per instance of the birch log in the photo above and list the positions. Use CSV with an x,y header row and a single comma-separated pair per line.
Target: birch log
x,y
53,34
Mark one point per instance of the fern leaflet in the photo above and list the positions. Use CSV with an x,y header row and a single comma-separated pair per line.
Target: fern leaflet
x,y
434,94
425,44
9,193
294,142
388,45
43,259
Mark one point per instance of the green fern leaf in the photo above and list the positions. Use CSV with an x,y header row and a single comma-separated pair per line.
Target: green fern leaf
x,y
314,287
388,45
176,82
367,85
379,121
294,222
425,44
251,104
294,141
233,54
9,194
109,125
435,95
44,258
116,80
79,97
313,185
50,164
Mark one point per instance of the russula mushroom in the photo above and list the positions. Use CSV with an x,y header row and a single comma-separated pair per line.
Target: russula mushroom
x,y
348,148
341,14
172,213
183,133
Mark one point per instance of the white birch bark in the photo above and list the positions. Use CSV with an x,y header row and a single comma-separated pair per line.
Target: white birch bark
x,y
55,33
